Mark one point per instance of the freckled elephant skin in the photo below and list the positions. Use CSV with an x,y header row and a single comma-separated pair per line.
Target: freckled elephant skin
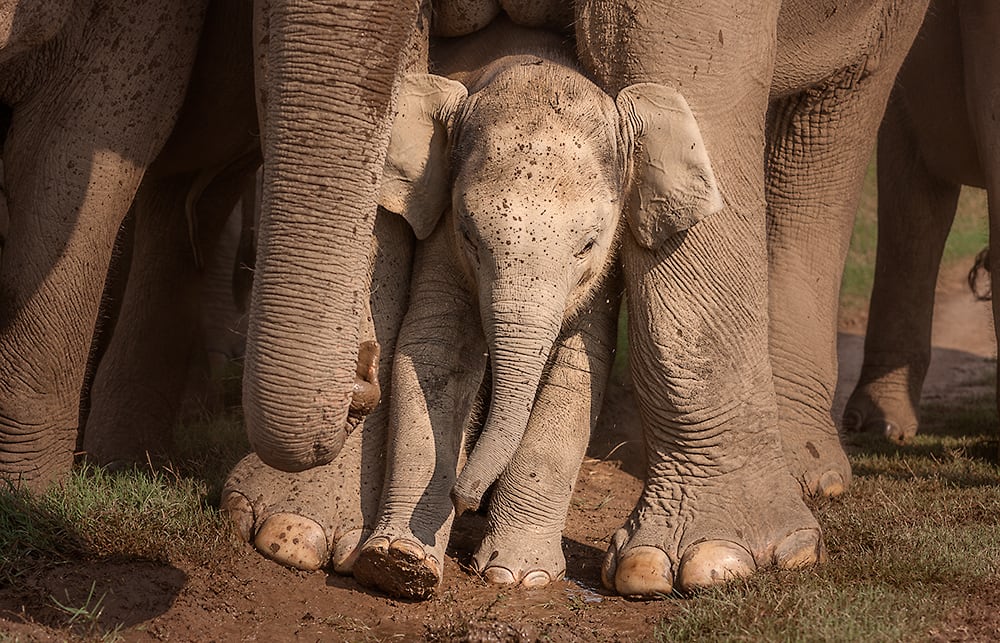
x,y
525,255
939,133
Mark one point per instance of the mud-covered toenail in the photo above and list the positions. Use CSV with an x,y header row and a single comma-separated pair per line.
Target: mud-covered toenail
x,y
802,548
239,510
379,544
643,571
713,562
345,551
399,568
499,576
407,549
536,578
293,541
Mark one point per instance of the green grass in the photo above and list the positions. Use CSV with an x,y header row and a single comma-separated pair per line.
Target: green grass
x,y
157,515
917,536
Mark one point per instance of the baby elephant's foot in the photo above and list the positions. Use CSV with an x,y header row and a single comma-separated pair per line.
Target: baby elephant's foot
x,y
883,406
520,559
300,520
399,566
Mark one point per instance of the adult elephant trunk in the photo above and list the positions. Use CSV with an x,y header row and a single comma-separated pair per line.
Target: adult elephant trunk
x,y
326,73
521,328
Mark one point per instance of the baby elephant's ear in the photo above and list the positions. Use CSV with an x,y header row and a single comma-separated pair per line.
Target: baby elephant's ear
x,y
673,185
415,180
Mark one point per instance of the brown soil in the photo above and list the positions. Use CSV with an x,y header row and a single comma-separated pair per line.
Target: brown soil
x,y
248,598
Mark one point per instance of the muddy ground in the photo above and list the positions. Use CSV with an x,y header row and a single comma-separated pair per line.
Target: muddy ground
x,y
249,598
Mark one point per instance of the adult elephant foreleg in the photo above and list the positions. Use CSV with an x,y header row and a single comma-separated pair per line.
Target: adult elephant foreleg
x,y
719,501
137,392
820,142
76,152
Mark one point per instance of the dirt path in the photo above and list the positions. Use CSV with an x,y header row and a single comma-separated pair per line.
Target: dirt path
x,y
964,348
248,598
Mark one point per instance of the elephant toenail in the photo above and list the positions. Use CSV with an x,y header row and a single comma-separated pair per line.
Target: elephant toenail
x,y
802,548
831,484
499,576
713,562
537,578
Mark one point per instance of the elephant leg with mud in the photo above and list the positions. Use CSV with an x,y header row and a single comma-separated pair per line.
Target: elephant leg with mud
x,y
515,264
938,134
93,89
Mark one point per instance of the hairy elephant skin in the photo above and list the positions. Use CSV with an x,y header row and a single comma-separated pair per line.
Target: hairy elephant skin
x,y
939,133
94,88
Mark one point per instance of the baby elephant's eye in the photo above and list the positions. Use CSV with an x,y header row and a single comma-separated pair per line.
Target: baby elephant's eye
x,y
587,247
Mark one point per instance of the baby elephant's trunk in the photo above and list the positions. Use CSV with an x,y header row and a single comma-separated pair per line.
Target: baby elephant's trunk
x,y
520,334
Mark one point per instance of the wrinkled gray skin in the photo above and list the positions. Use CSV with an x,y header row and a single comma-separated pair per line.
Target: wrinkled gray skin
x,y
731,323
939,133
516,204
95,88
179,216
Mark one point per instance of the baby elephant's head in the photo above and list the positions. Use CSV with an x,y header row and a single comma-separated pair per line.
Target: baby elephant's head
x,y
532,172
537,165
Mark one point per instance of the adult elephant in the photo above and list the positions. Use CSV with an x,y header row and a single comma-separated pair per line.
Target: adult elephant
x,y
939,133
93,89
732,321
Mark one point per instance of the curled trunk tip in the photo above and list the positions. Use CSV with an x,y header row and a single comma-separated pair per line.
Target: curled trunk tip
x,y
366,393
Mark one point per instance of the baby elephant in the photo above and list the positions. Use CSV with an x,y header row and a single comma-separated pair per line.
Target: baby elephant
x,y
514,180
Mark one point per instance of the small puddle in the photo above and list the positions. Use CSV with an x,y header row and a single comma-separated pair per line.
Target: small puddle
x,y
578,590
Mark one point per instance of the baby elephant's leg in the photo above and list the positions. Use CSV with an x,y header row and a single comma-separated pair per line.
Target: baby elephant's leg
x,y
523,540
439,362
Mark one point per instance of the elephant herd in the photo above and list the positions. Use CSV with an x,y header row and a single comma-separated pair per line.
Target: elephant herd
x,y
453,198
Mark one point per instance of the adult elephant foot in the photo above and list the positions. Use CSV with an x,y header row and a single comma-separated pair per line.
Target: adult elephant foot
x,y
310,519
694,534
883,405
523,559
816,458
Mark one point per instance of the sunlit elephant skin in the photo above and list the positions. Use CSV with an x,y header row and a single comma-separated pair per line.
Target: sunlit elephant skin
x,y
514,263
347,283
731,323
939,133
735,376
